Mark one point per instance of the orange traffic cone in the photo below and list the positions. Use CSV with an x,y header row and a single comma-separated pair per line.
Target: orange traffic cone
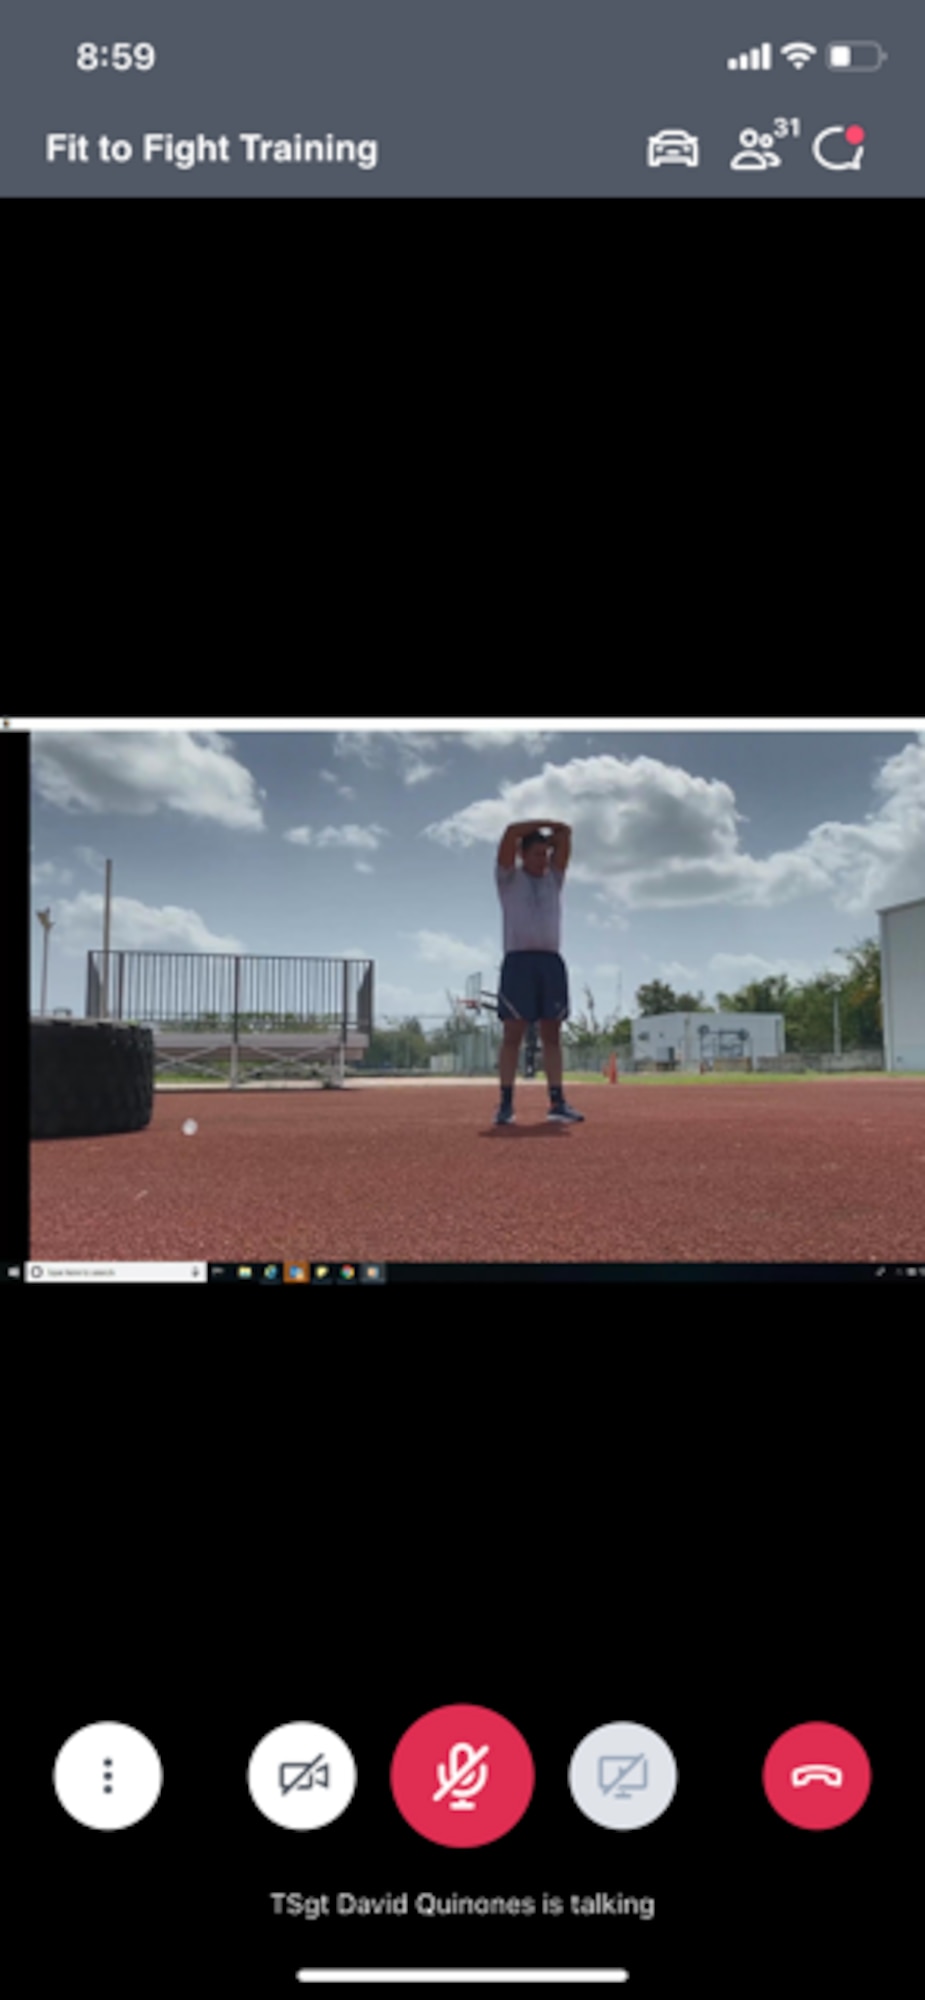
x,y
612,1073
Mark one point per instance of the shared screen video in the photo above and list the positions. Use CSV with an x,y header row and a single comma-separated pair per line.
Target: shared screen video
x,y
346,1008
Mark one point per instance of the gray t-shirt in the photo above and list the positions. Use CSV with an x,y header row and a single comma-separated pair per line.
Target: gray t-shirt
x,y
531,908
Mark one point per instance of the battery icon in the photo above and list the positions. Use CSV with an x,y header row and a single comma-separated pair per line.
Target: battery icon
x,y
854,56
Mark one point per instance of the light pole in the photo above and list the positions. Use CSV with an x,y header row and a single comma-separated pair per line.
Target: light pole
x,y
106,918
44,917
837,1034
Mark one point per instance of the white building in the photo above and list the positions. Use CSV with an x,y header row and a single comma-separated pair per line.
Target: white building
x,y
902,984
686,1039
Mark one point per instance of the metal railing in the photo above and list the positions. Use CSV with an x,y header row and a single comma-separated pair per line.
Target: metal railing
x,y
237,1019
221,991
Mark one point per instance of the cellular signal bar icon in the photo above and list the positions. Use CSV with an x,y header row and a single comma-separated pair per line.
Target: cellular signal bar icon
x,y
754,59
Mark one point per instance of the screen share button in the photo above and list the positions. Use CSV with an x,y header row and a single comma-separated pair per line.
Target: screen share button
x,y
623,1776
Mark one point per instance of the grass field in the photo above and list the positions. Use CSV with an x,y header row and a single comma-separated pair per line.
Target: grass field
x,y
667,1080
766,1076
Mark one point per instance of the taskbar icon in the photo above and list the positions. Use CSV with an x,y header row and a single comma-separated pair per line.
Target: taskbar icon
x,y
246,1274
296,1271
348,1274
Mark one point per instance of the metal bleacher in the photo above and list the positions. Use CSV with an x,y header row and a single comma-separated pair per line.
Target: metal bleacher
x,y
208,1010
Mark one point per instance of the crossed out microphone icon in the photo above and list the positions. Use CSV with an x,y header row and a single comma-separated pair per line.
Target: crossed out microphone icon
x,y
463,1775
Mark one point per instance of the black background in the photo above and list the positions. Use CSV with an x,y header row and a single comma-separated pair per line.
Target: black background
x,y
721,1578
738,1893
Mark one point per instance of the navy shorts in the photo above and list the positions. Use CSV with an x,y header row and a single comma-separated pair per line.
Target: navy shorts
x,y
533,987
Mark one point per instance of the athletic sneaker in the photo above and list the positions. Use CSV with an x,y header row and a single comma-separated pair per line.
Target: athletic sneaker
x,y
562,1114
504,1115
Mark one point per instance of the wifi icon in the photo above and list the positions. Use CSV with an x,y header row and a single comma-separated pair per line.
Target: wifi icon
x,y
798,53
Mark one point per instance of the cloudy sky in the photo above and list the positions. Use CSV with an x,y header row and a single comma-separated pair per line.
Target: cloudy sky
x,y
704,859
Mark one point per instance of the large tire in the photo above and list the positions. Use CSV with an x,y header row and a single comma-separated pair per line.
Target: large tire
x,y
88,1078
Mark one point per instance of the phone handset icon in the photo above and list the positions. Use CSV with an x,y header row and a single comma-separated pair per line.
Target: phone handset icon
x,y
827,1774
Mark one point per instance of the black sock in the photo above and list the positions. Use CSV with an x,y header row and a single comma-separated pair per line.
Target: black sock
x,y
507,1093
555,1092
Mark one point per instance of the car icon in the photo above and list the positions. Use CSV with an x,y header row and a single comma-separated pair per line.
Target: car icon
x,y
677,147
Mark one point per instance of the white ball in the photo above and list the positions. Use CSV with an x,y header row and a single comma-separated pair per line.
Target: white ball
x,y
190,1127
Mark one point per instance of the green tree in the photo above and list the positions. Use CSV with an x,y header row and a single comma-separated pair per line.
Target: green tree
x,y
448,1036
809,1007
862,1003
656,998
690,1003
403,1044
759,996
584,1029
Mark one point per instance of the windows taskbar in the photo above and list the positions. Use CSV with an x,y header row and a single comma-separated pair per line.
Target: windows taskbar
x,y
346,1276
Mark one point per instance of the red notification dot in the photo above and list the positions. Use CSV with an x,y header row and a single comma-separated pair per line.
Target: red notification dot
x,y
854,134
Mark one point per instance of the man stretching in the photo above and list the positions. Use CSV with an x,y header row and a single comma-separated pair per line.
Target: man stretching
x,y
534,983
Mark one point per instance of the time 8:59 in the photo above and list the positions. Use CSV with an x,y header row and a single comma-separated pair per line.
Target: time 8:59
x,y
118,55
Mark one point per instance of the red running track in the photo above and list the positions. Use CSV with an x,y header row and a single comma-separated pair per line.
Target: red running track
x,y
828,1172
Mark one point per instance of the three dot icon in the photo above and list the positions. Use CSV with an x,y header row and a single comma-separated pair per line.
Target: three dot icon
x,y
97,1750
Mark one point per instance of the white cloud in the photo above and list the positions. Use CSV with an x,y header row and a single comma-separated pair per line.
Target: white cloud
x,y
335,836
147,771
534,741
391,999
135,927
367,744
613,922
413,749
880,860
607,971
396,1003
46,874
343,791
439,948
411,741
92,860
677,974
652,835
363,868
349,836
415,774
739,968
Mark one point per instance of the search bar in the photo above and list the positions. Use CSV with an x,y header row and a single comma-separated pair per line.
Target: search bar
x,y
118,1274
456,1978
